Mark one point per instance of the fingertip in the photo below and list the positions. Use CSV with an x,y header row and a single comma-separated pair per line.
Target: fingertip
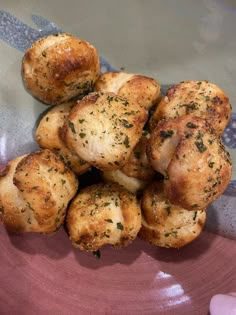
x,y
223,304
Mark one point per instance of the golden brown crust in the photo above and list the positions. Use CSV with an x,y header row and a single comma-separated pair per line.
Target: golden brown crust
x,y
103,214
47,133
191,156
12,205
201,98
137,88
48,136
73,161
136,173
138,165
35,192
60,67
165,224
103,129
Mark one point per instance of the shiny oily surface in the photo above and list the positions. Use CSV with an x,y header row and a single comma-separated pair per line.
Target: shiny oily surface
x,y
191,40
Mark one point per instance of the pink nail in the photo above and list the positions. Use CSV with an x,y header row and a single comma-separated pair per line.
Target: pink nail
x,y
223,304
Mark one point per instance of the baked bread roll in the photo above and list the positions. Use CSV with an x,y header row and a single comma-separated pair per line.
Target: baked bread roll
x,y
60,67
48,136
103,214
191,156
138,165
137,172
165,224
201,98
35,190
137,88
103,129
132,184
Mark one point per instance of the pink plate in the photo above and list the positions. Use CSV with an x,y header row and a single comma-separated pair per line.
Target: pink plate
x,y
45,275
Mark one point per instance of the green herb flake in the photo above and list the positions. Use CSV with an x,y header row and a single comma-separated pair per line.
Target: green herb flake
x,y
71,125
63,181
126,124
109,98
166,134
195,215
29,205
126,142
200,135
82,135
105,234
44,54
132,112
211,164
119,226
125,103
191,125
201,146
97,254
188,135
211,141
189,107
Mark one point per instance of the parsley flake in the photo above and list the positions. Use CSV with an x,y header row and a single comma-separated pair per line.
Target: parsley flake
x,y
126,142
201,146
191,125
119,226
126,124
71,125
166,134
97,254
82,135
